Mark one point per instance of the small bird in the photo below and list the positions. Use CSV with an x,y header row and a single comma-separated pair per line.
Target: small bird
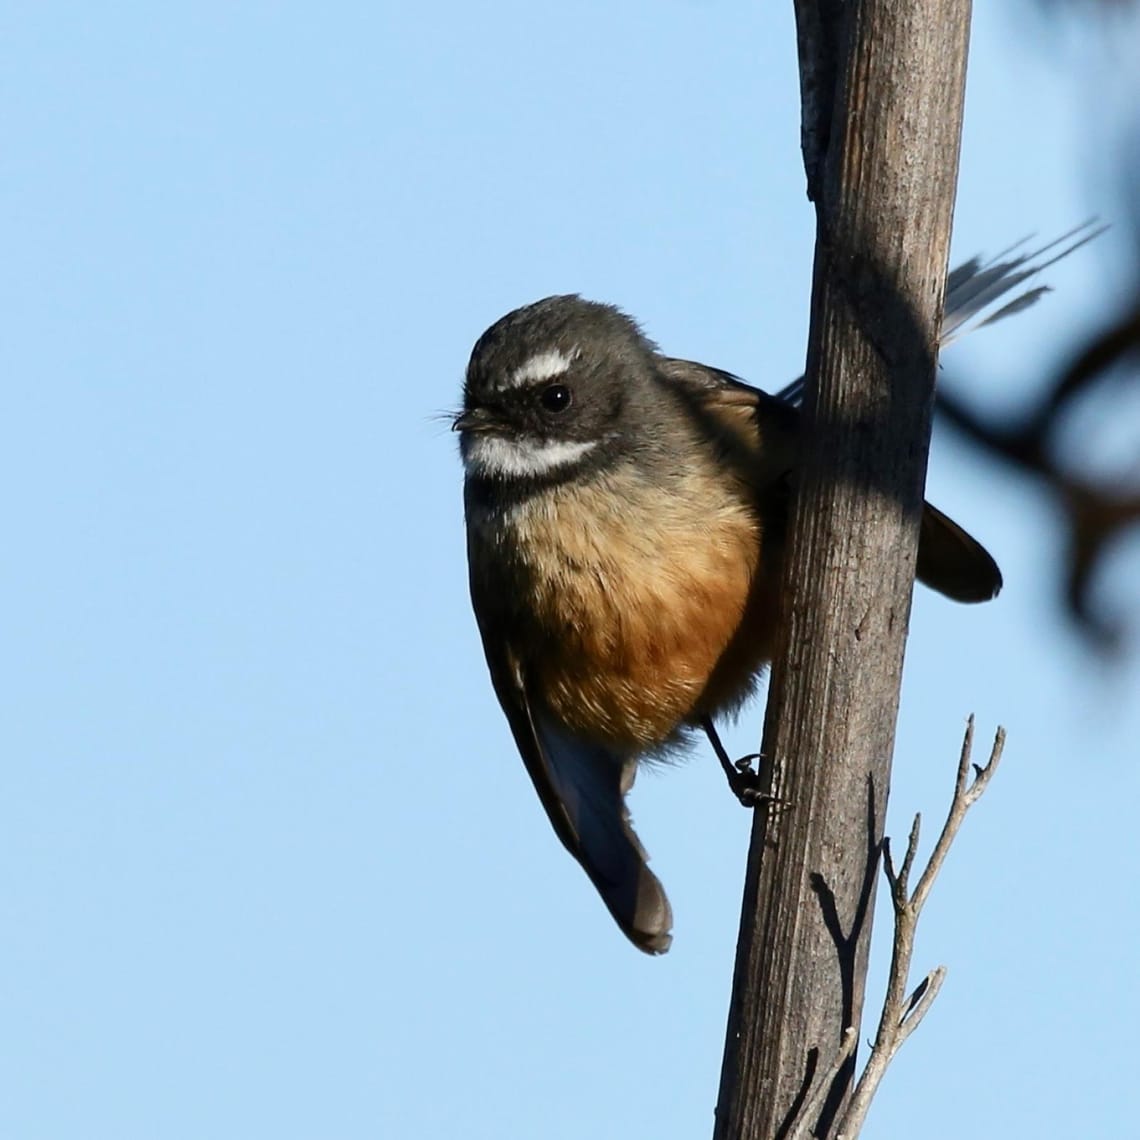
x,y
626,515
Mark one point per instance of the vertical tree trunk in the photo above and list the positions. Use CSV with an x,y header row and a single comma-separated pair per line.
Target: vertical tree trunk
x,y
884,200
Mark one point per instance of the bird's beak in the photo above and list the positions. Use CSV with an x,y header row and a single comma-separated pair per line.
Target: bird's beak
x,y
474,419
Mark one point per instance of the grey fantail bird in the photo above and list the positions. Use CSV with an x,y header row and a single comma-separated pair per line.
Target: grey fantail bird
x,y
626,514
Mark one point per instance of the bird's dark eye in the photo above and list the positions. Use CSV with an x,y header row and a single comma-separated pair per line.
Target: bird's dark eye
x,y
556,397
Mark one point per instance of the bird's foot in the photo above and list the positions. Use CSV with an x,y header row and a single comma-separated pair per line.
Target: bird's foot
x,y
745,781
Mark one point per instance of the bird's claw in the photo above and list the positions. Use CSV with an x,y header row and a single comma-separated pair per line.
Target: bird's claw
x,y
745,782
746,785
744,764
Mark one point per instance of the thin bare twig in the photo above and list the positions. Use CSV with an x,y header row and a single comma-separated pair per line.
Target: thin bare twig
x,y
903,1013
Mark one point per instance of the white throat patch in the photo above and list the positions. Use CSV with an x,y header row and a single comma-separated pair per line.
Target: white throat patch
x,y
492,455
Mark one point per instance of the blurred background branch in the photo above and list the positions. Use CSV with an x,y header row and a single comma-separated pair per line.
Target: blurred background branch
x,y
1049,440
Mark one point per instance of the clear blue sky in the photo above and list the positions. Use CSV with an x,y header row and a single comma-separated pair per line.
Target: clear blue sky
x,y
269,865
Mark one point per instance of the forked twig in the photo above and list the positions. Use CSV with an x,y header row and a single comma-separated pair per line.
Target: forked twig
x,y
902,1013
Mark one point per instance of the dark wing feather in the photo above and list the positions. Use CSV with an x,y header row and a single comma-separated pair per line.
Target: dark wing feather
x,y
768,429
764,430
582,787
953,562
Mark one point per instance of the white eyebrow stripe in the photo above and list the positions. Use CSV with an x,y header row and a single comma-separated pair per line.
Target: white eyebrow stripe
x,y
491,455
546,365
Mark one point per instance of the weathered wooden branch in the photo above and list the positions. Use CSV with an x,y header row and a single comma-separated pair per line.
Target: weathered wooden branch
x,y
884,210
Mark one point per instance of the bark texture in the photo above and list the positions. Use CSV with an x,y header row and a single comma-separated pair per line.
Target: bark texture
x,y
884,210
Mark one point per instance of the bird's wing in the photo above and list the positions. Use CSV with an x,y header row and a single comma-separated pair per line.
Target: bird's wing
x,y
762,430
953,562
582,787
765,430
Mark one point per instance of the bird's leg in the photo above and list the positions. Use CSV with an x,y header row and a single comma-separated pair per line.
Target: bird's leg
x,y
743,779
